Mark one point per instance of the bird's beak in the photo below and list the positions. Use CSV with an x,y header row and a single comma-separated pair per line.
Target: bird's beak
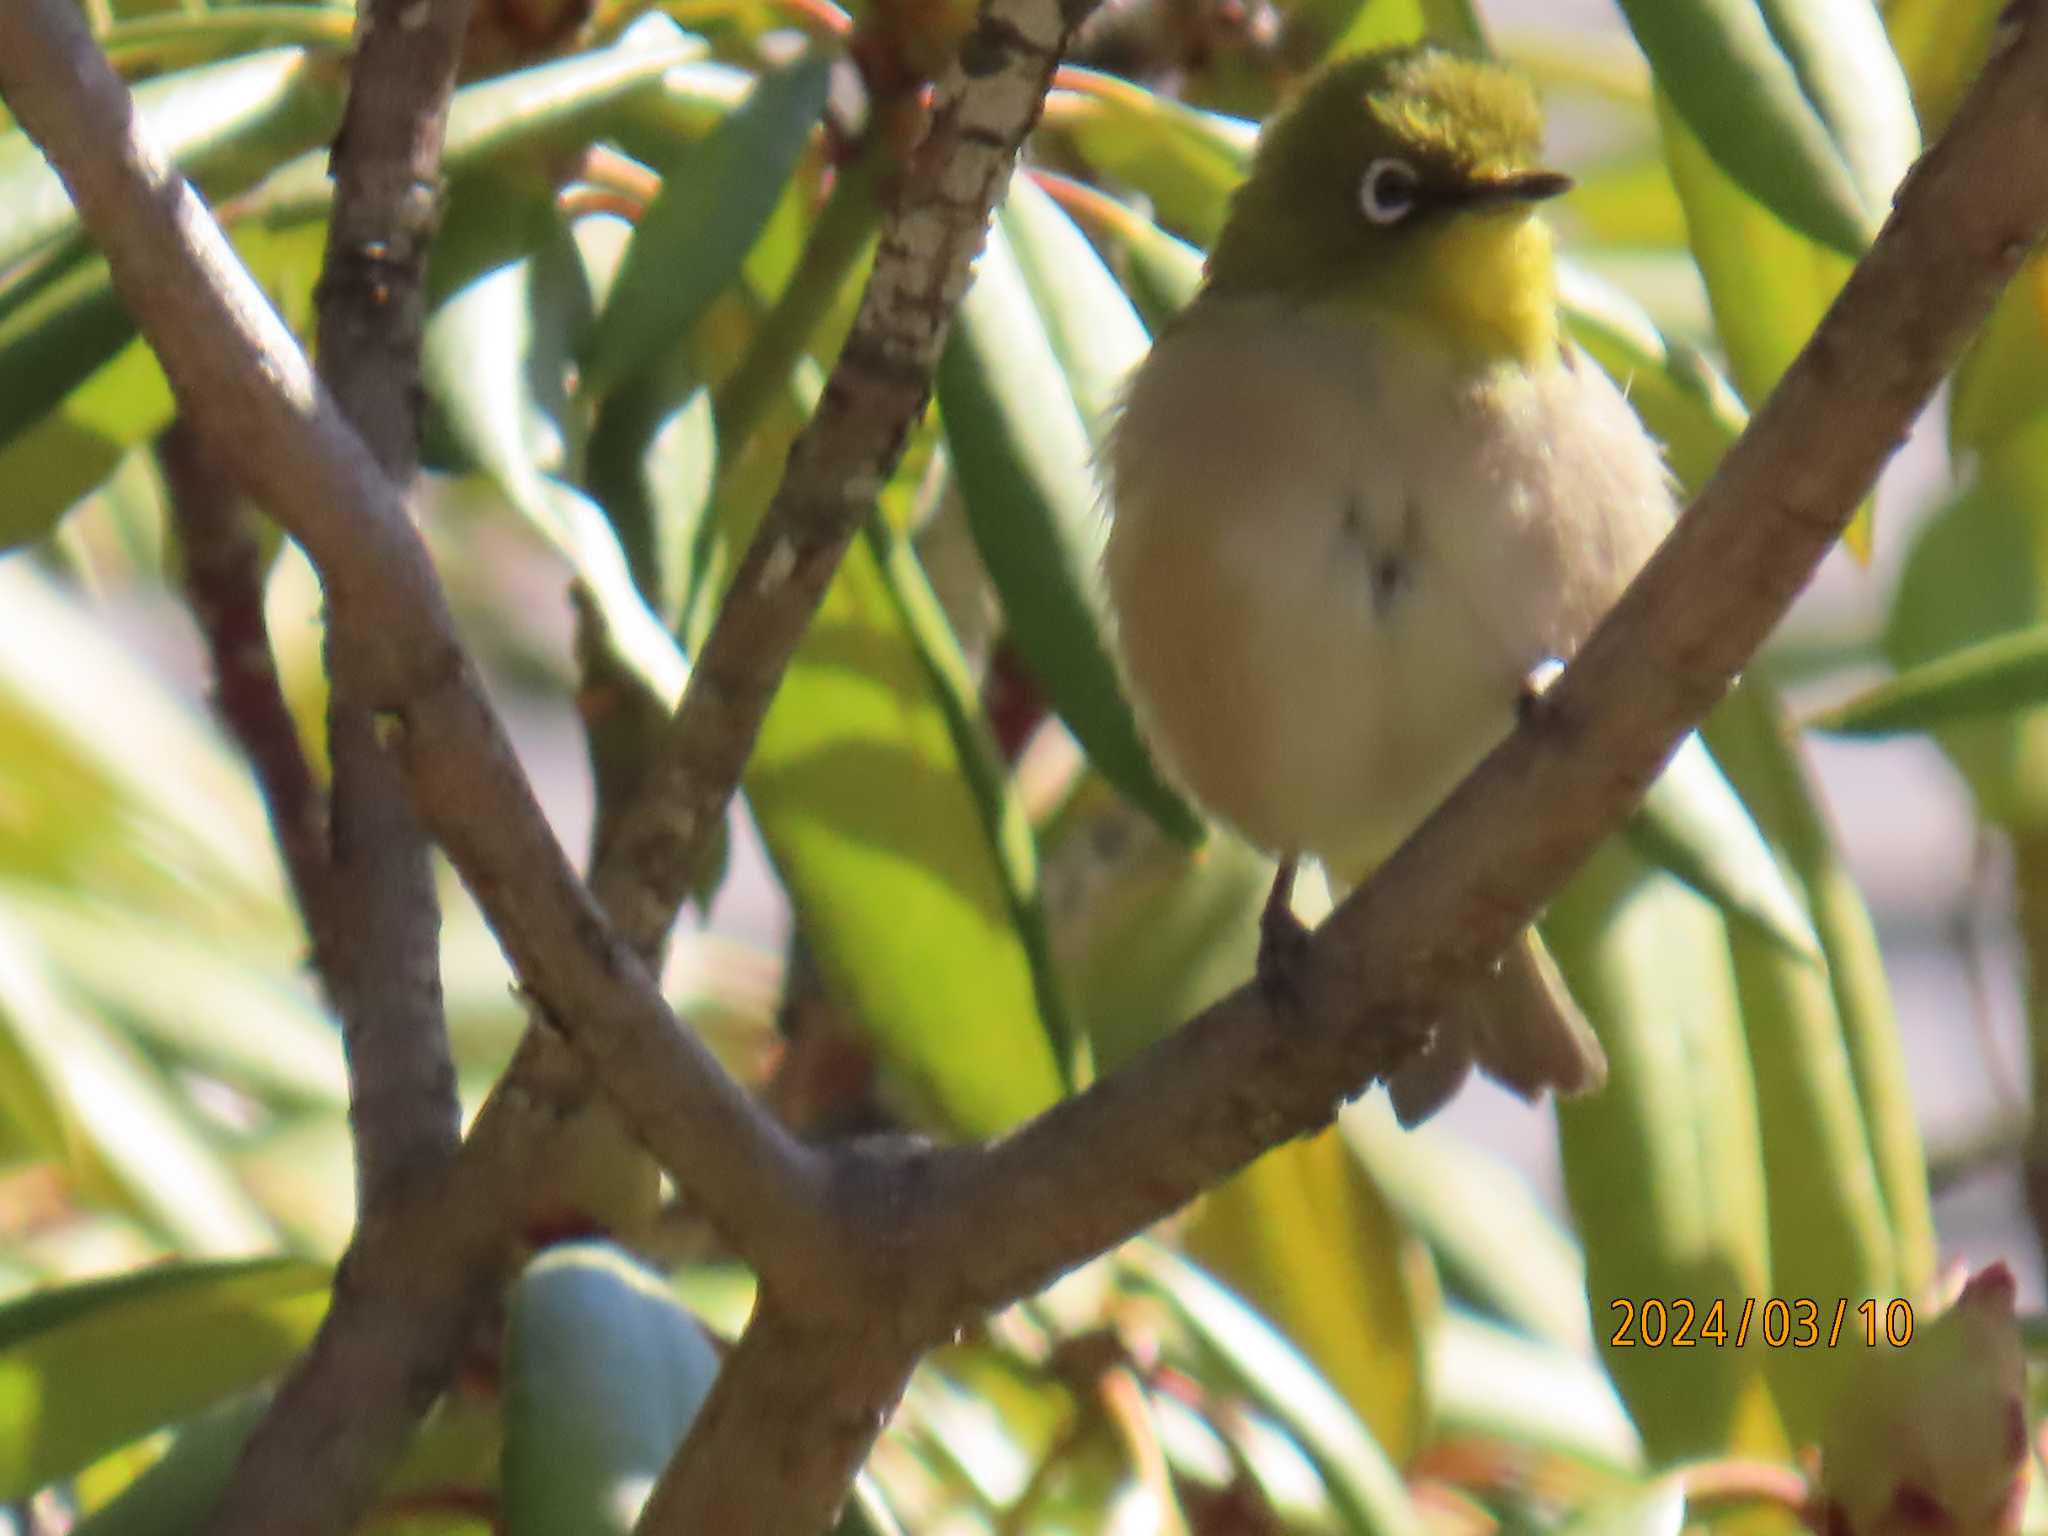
x,y
1525,187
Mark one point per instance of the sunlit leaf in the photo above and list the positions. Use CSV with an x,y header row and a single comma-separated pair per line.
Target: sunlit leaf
x,y
83,701
2001,385
1305,1236
1991,677
1021,449
1379,23
1692,824
1769,285
1941,44
1874,1131
1663,1167
859,788
218,1011
604,1372
1655,1509
179,1493
177,1338
1801,102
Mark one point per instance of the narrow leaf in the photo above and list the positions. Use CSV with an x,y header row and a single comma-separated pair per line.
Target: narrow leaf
x,y
1663,1167
496,364
713,203
1021,451
188,116
1992,677
1801,102
1693,824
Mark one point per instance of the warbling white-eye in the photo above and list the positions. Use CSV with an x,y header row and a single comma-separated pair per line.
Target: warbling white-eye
x,y
1365,490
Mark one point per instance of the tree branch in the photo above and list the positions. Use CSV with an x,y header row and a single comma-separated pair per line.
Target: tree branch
x,y
874,396
389,1339
382,959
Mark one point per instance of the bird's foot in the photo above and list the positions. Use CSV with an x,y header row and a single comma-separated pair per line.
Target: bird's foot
x,y
1537,685
1283,943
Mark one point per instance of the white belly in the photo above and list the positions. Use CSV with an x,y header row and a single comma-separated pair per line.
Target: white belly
x,y
1333,566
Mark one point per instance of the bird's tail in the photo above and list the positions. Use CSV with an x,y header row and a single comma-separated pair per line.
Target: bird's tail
x,y
1518,1024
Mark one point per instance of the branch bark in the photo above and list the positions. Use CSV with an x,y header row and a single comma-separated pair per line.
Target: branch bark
x,y
382,955
390,1338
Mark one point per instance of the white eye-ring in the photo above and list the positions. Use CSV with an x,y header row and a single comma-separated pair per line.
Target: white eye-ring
x,y
1387,190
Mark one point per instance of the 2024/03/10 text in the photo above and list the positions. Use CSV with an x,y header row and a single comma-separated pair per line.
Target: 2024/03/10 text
x,y
1798,1322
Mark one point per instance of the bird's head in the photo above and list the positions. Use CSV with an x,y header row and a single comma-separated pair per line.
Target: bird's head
x,y
1404,182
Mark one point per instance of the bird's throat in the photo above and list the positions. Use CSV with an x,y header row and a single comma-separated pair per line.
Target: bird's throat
x,y
1484,287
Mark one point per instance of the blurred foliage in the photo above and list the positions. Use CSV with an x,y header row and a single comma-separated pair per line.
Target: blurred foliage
x,y
657,221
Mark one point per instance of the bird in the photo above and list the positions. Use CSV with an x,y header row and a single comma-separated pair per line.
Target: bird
x,y
1366,496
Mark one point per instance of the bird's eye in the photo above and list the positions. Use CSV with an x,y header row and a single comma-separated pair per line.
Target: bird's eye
x,y
1387,190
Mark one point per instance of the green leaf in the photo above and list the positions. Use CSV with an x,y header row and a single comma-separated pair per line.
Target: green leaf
x,y
86,1368
1364,1482
73,706
1991,677
66,453
497,366
1941,44
2001,385
1021,451
1162,271
1977,575
713,203
267,103
1663,1167
604,1373
1801,102
1007,827
1692,824
874,823
1769,285
1306,1237
1757,743
559,103
178,1494
1381,23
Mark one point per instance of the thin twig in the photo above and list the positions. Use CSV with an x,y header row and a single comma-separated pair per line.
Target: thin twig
x,y
222,562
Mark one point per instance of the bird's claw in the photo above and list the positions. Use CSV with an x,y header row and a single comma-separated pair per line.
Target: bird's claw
x,y
1537,685
1283,943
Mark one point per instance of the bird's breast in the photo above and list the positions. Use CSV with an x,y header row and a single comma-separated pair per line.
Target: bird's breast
x,y
1337,553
